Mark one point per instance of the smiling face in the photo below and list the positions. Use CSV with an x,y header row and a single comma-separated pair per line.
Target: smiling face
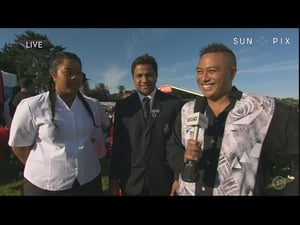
x,y
215,72
144,78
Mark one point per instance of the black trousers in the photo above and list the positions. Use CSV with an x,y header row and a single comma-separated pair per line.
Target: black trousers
x,y
91,188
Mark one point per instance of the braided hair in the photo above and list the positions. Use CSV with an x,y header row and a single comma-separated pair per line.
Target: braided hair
x,y
56,60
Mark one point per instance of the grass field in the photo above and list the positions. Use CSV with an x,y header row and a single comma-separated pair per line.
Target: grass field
x,y
11,183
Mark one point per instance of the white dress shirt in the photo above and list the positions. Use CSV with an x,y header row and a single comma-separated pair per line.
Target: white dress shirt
x,y
58,155
151,96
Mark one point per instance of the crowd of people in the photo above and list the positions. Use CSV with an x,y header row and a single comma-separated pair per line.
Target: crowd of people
x,y
226,142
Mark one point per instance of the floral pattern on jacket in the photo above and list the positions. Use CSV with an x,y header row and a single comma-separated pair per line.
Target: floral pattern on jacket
x,y
245,130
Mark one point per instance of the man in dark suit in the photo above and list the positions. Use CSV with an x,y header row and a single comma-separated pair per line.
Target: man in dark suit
x,y
138,163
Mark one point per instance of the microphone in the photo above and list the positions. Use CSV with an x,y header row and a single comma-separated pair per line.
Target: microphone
x,y
190,170
197,120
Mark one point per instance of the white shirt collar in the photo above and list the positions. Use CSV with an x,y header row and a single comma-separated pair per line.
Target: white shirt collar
x,y
151,96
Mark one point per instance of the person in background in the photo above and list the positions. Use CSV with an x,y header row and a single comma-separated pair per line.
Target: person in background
x,y
4,133
138,162
5,121
250,145
8,106
26,90
53,134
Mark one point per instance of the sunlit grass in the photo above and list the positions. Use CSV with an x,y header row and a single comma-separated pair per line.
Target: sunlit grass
x,y
11,189
11,186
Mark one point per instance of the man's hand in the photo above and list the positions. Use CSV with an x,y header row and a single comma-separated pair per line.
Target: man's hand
x,y
175,187
193,150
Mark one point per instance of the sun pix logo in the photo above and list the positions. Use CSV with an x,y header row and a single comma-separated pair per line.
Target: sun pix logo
x,y
262,41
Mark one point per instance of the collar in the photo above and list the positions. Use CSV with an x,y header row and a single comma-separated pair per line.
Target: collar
x,y
151,96
235,93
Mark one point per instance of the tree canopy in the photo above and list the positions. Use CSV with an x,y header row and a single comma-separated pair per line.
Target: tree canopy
x,y
28,56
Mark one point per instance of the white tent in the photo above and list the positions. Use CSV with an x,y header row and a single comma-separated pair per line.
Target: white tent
x,y
9,81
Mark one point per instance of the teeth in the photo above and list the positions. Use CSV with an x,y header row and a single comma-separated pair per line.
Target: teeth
x,y
207,86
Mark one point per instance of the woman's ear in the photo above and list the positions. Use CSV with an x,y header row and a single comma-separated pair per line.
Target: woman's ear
x,y
53,75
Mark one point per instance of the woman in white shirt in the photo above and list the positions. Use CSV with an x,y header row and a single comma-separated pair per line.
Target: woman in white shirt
x,y
53,134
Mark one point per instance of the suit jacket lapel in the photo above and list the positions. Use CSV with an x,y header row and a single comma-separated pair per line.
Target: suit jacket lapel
x,y
154,113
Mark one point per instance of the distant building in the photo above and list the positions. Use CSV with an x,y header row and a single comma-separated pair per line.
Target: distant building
x,y
182,93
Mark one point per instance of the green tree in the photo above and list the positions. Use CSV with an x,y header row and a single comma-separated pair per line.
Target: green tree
x,y
291,102
121,89
27,60
101,92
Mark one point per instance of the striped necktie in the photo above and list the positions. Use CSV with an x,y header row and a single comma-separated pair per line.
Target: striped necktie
x,y
146,102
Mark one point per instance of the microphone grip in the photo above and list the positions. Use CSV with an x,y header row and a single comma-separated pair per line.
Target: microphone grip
x,y
190,169
196,132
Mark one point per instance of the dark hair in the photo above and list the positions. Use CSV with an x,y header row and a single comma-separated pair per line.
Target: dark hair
x,y
218,47
56,60
25,82
144,59
11,106
84,77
